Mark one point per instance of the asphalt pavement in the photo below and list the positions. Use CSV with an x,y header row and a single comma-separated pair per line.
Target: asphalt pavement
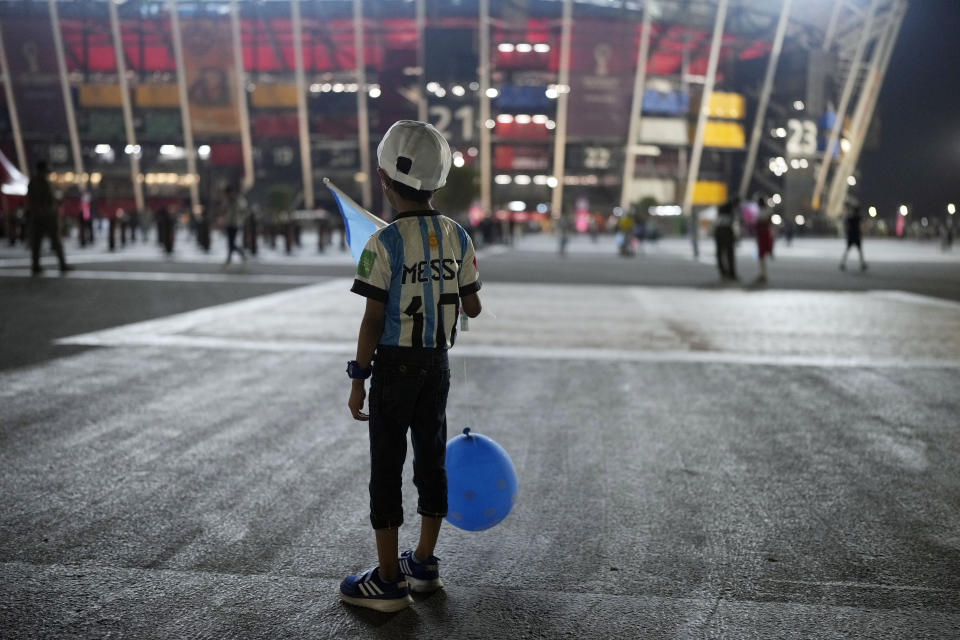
x,y
695,459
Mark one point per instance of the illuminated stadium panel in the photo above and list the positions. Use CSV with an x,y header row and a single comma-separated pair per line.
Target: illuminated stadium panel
x,y
525,54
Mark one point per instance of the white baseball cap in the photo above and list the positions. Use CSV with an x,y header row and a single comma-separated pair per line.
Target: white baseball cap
x,y
415,154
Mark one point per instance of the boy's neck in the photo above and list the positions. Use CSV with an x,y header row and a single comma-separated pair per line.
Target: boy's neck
x,y
405,206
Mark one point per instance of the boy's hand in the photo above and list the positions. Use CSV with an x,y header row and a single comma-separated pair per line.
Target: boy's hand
x,y
358,394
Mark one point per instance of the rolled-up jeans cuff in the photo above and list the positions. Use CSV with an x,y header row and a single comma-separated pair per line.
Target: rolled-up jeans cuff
x,y
386,522
432,514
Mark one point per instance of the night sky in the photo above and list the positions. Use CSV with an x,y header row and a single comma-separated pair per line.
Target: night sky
x,y
918,158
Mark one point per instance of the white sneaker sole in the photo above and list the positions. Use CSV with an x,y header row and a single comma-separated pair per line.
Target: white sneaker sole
x,y
387,606
422,586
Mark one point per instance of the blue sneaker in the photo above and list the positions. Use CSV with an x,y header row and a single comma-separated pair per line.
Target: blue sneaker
x,y
369,590
421,576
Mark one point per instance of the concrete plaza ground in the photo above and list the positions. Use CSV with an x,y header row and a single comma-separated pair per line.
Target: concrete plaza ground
x,y
695,460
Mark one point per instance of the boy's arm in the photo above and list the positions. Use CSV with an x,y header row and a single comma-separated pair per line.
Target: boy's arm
x,y
371,327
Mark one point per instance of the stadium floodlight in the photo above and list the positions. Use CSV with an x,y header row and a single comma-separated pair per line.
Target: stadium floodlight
x,y
457,90
777,198
951,208
800,220
776,219
872,211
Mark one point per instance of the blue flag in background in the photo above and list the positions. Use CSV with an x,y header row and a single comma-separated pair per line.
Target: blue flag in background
x,y
359,223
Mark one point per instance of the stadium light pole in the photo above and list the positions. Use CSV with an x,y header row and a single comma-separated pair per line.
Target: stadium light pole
x,y
845,95
697,151
563,92
127,110
12,108
764,98
636,107
245,144
363,124
189,148
65,89
484,73
303,123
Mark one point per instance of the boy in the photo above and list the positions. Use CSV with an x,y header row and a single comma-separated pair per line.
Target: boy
x,y
416,274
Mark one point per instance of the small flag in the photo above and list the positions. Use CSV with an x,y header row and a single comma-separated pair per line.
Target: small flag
x,y
358,222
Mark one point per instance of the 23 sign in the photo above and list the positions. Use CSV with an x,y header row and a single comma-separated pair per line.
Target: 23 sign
x,y
802,137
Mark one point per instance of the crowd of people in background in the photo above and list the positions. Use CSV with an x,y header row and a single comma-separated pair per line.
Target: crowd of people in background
x,y
244,225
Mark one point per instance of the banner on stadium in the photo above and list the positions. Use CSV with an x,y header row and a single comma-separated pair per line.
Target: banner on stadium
x,y
35,75
602,60
211,79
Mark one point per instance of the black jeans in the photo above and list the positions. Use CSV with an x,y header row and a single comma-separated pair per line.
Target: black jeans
x,y
408,390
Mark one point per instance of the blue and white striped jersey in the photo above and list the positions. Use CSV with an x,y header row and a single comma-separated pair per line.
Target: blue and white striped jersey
x,y
419,266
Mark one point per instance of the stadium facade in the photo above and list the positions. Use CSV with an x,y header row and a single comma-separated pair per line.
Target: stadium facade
x,y
550,106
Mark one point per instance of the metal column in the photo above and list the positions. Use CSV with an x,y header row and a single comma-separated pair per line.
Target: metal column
x,y
563,91
764,98
636,110
12,108
303,121
844,101
245,144
65,88
127,111
832,25
484,73
363,123
190,149
865,107
697,150
421,21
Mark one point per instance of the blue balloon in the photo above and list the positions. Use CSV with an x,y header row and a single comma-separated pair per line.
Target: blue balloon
x,y
481,482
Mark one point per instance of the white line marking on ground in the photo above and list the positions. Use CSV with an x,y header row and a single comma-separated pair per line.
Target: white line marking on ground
x,y
146,339
166,327
916,298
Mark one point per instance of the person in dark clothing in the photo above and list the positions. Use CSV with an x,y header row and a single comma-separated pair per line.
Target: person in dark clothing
x,y
724,236
851,228
43,219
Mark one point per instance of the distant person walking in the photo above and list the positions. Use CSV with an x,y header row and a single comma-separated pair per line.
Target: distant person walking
x,y
724,237
235,210
43,219
764,232
851,229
